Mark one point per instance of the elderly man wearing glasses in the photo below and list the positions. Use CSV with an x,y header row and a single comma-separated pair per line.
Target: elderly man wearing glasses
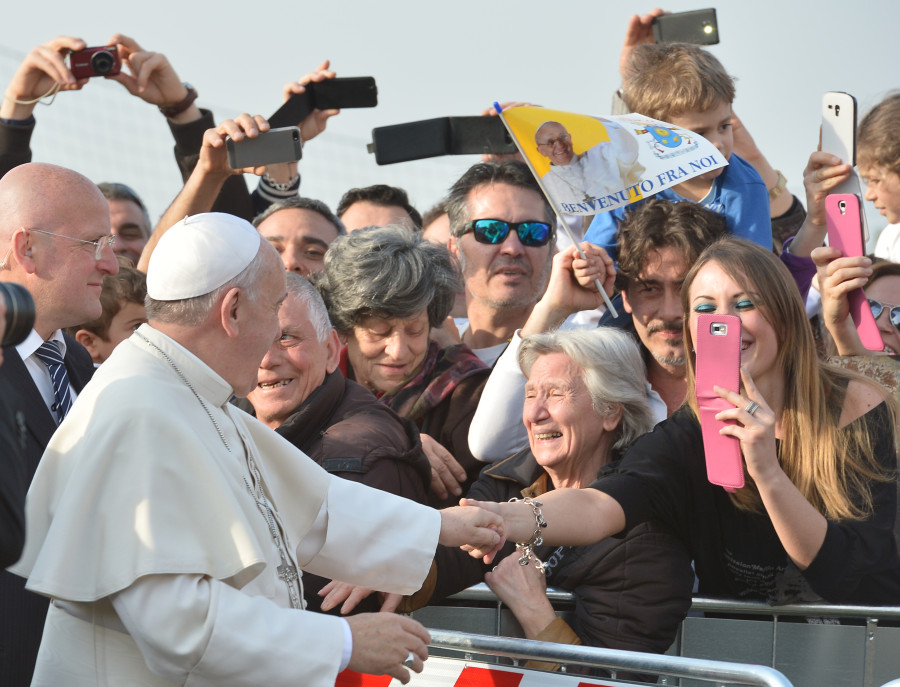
x,y
55,241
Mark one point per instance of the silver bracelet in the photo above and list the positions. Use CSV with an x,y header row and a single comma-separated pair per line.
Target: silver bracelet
x,y
527,548
285,186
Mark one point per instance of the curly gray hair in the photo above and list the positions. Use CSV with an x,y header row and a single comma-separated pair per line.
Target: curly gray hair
x,y
387,272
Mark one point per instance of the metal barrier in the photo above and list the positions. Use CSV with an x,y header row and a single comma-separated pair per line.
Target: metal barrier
x,y
863,653
718,672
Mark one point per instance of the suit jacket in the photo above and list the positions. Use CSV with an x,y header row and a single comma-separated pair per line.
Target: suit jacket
x,y
21,612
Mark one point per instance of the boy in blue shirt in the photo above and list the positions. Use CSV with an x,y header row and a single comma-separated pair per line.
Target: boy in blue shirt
x,y
686,86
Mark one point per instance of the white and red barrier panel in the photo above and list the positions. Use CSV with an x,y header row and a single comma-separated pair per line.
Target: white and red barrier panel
x,y
449,672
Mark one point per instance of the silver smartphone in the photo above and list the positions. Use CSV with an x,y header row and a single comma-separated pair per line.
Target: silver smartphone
x,y
269,148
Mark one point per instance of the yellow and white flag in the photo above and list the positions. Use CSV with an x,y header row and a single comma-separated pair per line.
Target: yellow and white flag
x,y
587,165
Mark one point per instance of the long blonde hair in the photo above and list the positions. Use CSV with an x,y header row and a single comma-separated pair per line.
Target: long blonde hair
x,y
833,468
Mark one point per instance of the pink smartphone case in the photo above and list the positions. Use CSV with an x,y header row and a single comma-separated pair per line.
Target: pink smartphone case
x,y
842,217
718,364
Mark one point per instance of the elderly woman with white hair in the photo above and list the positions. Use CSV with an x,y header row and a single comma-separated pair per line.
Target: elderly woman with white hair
x,y
585,403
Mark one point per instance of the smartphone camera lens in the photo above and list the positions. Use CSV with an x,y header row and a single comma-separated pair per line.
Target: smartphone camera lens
x,y
102,62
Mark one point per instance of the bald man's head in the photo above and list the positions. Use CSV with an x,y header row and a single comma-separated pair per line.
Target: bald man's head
x,y
52,220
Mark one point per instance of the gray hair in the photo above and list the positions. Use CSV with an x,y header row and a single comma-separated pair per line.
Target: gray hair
x,y
302,289
613,372
194,311
387,272
511,172
300,203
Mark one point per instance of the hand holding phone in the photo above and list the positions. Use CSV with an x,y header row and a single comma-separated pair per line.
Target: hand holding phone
x,y
718,363
268,148
843,219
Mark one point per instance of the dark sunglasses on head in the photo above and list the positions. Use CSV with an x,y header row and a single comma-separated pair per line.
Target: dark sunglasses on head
x,y
893,313
494,231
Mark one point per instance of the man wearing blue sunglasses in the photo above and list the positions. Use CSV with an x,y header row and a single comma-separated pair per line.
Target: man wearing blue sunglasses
x,y
504,232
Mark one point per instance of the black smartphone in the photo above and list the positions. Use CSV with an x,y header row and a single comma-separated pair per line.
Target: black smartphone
x,y
332,94
474,135
268,148
697,26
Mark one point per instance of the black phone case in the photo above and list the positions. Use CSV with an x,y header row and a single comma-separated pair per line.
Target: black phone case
x,y
426,138
333,94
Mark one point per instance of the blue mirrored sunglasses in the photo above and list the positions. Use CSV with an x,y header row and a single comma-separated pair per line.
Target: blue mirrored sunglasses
x,y
893,313
495,231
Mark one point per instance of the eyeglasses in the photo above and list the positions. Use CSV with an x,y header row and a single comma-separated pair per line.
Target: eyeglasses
x,y
552,143
495,231
99,244
894,311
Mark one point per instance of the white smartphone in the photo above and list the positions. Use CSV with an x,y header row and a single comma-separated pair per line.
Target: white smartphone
x,y
839,138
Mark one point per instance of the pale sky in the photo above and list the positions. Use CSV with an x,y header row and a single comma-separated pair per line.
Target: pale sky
x,y
432,60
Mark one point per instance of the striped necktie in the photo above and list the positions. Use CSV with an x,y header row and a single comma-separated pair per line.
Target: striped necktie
x,y
49,355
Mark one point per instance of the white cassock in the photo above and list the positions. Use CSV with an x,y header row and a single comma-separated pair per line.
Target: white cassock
x,y
148,528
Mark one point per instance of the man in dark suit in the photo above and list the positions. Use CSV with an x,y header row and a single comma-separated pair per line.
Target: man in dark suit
x,y
56,242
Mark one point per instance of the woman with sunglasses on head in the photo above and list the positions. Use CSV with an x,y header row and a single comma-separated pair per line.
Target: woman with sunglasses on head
x,y
386,288
816,517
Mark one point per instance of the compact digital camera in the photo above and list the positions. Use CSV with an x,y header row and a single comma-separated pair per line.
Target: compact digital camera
x,y
99,61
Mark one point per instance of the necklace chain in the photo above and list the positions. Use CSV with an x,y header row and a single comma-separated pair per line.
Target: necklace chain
x,y
287,571
188,385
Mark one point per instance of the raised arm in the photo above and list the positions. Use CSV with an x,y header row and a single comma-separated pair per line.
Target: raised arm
x,y
638,32
282,181
781,202
210,174
150,76
41,74
823,172
837,277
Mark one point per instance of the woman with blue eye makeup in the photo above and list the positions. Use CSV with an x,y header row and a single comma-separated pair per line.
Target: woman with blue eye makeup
x,y
817,515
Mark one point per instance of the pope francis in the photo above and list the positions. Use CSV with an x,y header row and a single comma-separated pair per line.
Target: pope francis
x,y
170,529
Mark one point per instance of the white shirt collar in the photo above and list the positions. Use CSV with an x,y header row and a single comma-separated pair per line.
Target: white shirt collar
x,y
33,342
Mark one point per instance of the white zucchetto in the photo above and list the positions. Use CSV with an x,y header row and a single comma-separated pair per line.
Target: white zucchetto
x,y
199,254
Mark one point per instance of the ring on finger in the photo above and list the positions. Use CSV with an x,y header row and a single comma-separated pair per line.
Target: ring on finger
x,y
752,407
410,659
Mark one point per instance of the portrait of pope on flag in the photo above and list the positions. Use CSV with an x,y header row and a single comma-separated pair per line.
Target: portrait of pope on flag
x,y
605,168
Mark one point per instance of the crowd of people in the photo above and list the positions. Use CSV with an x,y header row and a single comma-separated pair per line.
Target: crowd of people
x,y
440,398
